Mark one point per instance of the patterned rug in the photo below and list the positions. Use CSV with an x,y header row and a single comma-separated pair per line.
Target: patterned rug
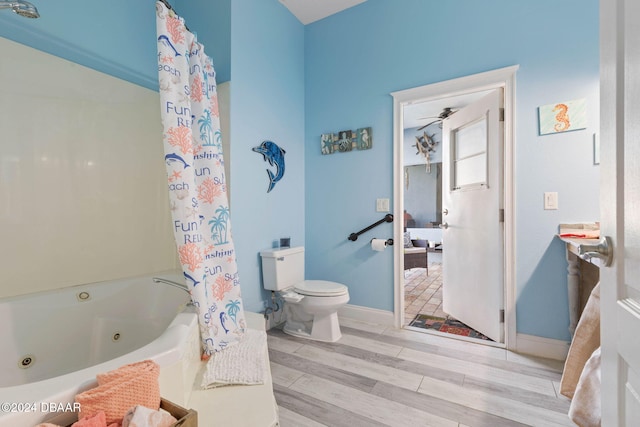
x,y
448,325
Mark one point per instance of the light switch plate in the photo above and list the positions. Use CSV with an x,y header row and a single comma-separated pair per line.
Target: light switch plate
x,y
550,201
382,205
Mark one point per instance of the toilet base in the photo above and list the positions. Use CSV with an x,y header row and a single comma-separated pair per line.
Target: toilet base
x,y
314,318
325,328
296,332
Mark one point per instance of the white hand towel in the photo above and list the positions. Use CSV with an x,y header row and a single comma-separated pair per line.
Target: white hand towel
x,y
141,416
242,363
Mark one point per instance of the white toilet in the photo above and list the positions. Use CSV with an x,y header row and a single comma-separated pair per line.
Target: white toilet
x,y
311,306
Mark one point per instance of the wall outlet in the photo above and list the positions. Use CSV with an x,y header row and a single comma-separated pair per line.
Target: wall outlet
x,y
550,201
382,205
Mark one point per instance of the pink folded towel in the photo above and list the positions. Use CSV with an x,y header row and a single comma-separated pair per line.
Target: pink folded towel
x,y
121,389
145,417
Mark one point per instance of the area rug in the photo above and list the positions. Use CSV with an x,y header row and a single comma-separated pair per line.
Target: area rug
x,y
448,325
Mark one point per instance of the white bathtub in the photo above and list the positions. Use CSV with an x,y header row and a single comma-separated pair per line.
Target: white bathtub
x,y
68,340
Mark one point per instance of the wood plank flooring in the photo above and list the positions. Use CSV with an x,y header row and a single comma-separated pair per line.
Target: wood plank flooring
x,y
379,376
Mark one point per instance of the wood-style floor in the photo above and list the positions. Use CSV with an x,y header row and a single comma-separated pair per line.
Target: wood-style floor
x,y
381,376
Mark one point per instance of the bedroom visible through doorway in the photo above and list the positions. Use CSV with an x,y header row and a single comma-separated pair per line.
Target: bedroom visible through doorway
x,y
425,225
421,287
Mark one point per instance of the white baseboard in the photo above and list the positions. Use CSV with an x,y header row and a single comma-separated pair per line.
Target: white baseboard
x,y
368,315
542,347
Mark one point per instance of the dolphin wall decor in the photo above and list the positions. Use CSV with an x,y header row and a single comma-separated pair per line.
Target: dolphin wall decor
x,y
275,156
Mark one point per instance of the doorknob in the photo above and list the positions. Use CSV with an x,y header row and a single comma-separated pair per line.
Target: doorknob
x,y
603,250
445,211
444,225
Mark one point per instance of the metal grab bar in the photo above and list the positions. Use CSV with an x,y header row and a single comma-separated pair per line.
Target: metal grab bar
x,y
171,283
354,236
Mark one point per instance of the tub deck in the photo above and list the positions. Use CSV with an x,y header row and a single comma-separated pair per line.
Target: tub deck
x,y
225,405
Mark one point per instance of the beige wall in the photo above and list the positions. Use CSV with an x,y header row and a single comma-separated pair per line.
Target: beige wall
x,y
83,194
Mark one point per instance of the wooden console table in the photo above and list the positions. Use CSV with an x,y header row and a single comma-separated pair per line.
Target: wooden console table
x,y
582,276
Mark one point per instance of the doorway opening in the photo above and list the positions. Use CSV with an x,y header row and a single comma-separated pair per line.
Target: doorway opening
x,y
424,270
420,269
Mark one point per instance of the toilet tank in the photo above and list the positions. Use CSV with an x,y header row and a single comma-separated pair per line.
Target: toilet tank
x,y
282,268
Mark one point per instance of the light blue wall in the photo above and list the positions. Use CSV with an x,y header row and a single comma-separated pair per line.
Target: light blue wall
x,y
420,194
356,58
210,20
267,103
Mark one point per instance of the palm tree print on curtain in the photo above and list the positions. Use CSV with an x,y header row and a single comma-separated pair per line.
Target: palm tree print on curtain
x,y
197,191
219,225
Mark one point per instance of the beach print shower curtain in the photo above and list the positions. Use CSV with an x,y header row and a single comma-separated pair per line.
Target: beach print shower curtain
x,y
197,191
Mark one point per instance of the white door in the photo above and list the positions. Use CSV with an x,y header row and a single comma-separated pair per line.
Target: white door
x,y
620,207
472,197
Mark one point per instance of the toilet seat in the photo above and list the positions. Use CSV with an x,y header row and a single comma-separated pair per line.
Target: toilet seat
x,y
321,288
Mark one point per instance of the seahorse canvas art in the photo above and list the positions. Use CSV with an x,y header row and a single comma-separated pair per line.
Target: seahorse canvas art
x,y
563,116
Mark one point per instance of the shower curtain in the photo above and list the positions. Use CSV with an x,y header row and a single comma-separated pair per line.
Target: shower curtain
x,y
197,191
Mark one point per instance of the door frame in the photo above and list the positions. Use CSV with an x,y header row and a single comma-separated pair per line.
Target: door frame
x,y
505,78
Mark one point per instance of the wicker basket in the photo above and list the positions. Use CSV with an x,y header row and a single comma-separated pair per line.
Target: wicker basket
x,y
186,418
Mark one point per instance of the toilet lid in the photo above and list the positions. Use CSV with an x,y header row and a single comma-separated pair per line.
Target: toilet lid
x,y
321,288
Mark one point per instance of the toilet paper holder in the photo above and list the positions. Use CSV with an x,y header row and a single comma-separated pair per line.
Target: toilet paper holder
x,y
389,242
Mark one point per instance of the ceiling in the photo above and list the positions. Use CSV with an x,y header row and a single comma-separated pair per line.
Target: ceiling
x,y
421,113
308,11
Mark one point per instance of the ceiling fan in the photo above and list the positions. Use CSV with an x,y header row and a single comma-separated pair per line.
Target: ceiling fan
x,y
446,112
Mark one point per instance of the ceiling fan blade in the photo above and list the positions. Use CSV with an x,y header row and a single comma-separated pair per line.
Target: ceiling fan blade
x,y
429,124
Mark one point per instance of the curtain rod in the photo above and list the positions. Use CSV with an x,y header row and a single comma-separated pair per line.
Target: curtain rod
x,y
166,3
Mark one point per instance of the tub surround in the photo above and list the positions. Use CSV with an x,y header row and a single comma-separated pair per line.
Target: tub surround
x,y
84,193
